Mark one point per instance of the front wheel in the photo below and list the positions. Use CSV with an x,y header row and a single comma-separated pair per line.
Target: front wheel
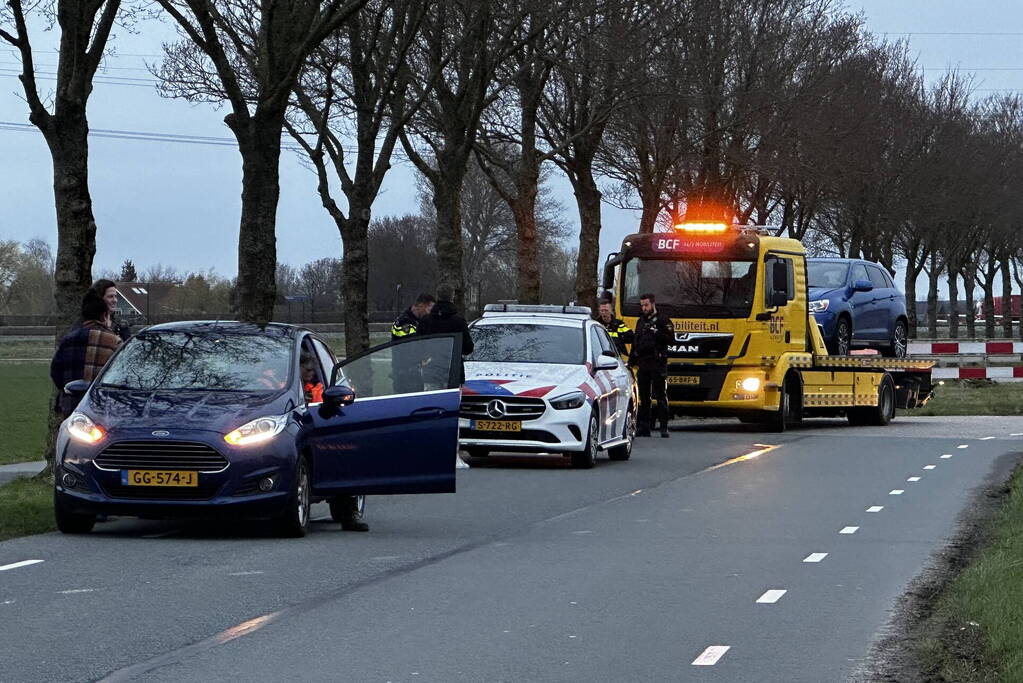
x,y
842,341
624,451
69,522
788,412
294,521
587,457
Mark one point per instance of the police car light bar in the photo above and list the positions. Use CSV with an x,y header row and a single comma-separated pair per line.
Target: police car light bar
x,y
541,308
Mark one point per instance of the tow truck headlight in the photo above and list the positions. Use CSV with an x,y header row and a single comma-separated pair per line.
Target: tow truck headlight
x,y
81,427
258,431
819,306
750,385
568,401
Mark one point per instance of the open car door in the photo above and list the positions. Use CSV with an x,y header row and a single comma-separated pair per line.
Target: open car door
x,y
400,433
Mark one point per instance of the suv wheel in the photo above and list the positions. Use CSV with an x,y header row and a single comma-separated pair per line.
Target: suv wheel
x,y
587,457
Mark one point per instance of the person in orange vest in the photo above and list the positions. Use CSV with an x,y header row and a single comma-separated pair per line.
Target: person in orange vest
x,y
312,383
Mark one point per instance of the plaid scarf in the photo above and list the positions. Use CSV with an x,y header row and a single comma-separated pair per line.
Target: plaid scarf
x,y
82,353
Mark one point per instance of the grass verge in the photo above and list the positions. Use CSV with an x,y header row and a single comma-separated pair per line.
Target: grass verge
x,y
974,397
975,631
23,405
26,507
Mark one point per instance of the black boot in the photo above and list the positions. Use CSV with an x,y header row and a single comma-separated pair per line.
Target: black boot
x,y
643,428
354,525
664,429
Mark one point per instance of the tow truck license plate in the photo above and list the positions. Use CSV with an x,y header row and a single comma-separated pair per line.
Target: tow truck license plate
x,y
684,379
497,426
159,478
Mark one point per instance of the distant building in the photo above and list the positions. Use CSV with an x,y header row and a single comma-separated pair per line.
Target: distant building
x,y
142,302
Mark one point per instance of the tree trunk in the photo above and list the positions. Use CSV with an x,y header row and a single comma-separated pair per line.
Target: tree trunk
x,y
355,279
67,137
953,303
260,146
650,198
447,202
969,286
933,275
909,284
587,266
524,210
1007,297
989,306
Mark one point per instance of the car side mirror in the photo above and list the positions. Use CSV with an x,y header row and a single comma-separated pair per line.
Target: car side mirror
x,y
863,286
339,395
779,298
76,388
606,363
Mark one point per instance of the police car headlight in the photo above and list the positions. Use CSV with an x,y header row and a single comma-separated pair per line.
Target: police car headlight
x,y
819,306
576,399
258,431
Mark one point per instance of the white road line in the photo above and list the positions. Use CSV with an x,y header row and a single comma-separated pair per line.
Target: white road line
x,y
987,438
15,565
711,655
849,530
946,456
931,467
77,590
896,492
387,557
246,573
1016,434
772,596
585,531
913,479
815,557
963,445
875,508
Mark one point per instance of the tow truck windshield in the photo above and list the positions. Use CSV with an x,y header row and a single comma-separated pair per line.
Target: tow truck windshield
x,y
691,288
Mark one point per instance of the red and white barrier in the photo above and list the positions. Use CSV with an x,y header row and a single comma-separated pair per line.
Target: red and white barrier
x,y
999,374
965,348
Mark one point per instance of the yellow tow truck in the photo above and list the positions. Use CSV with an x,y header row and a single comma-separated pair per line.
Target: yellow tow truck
x,y
746,344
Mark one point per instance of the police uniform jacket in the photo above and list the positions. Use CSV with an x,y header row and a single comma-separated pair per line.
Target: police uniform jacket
x,y
407,323
653,336
620,334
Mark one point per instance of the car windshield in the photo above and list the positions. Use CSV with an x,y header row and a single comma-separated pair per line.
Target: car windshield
x,y
691,288
826,274
203,361
528,343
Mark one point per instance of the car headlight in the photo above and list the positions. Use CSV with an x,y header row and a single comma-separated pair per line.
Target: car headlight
x,y
750,385
819,306
81,427
259,430
576,399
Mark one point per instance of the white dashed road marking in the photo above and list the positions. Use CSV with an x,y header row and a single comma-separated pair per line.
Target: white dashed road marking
x,y
15,565
815,557
770,597
875,508
896,492
987,438
245,573
963,445
849,530
931,467
77,590
1016,434
946,456
913,479
711,655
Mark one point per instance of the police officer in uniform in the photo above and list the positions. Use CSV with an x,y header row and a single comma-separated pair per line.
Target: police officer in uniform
x,y
619,332
654,333
408,322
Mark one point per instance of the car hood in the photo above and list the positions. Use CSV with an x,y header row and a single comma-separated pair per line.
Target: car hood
x,y
521,379
825,292
217,411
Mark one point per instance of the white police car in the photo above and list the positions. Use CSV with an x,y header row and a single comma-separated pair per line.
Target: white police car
x,y
546,379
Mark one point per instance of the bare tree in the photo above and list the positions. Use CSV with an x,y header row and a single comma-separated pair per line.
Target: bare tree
x,y
250,56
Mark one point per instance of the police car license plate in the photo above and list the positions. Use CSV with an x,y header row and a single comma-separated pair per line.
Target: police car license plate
x,y
159,478
497,426
683,379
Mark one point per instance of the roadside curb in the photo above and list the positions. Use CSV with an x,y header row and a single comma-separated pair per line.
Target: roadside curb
x,y
9,473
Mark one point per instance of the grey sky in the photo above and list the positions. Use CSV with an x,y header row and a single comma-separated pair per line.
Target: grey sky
x,y
178,204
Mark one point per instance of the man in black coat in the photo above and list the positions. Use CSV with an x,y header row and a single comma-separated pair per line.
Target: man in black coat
x,y
654,333
445,318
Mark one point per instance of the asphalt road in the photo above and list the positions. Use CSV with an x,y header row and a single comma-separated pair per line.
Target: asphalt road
x,y
717,555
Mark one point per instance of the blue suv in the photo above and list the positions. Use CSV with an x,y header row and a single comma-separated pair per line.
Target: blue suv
x,y
856,303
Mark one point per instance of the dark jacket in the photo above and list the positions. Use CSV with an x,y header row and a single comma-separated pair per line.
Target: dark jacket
x,y
407,323
444,318
620,334
653,336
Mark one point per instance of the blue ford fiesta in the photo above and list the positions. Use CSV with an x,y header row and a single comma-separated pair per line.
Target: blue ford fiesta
x,y
208,419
